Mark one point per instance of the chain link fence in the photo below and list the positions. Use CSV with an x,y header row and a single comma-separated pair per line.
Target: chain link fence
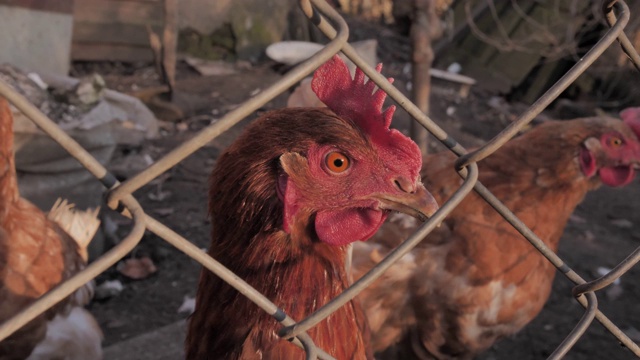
x,y
120,198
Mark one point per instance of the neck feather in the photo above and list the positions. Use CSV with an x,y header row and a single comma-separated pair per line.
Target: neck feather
x,y
8,178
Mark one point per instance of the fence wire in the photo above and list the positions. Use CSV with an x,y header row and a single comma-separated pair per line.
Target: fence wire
x,y
120,198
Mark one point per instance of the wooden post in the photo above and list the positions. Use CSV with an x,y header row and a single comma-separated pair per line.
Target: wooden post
x,y
424,29
422,58
170,43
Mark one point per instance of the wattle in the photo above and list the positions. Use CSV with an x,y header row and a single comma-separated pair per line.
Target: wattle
x,y
616,176
343,227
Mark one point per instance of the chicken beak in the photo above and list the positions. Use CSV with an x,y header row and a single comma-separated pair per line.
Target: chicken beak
x,y
420,204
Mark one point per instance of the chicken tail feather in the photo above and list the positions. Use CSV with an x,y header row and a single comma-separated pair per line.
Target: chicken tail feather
x,y
80,225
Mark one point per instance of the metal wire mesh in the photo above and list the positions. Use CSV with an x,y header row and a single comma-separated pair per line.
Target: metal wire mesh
x,y
333,26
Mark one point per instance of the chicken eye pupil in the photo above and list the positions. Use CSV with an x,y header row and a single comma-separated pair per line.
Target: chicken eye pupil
x,y
336,162
615,141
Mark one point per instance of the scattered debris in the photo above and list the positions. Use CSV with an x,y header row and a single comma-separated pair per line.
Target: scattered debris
x,y
159,195
164,211
602,271
621,223
576,219
498,103
83,103
130,165
108,289
614,292
137,268
37,80
85,95
588,236
464,81
292,52
633,334
188,305
451,110
454,68
26,86
182,127
210,68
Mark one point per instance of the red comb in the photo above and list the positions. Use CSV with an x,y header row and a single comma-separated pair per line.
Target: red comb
x,y
356,100
631,117
353,99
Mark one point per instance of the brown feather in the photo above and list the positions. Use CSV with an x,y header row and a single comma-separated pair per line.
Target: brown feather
x,y
35,254
295,271
476,279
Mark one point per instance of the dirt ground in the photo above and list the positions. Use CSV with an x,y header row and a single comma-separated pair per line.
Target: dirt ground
x,y
601,234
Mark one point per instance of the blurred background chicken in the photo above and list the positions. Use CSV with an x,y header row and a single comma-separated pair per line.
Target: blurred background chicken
x,y
476,279
37,252
285,201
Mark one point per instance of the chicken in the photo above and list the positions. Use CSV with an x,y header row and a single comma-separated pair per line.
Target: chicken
x,y
286,199
476,279
37,252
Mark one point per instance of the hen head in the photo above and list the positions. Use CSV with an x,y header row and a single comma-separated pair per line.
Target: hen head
x,y
350,186
613,153
322,174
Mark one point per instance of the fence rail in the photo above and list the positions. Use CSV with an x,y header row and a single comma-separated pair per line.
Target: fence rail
x,y
120,198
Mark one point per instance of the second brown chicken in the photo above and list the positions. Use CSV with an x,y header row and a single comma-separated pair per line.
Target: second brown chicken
x,y
476,279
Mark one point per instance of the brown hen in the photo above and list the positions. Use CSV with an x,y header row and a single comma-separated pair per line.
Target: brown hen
x,y
286,199
37,252
476,279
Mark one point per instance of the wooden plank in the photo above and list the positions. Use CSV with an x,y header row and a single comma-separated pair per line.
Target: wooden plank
x,y
124,34
58,6
170,42
119,12
101,52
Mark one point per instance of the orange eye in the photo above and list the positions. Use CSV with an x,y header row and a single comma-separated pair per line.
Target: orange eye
x,y
337,162
614,141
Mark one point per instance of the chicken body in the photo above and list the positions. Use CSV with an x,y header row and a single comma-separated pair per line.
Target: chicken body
x,y
476,279
36,254
286,199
